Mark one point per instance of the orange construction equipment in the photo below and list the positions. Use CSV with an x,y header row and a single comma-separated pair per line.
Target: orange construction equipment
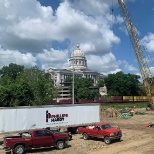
x,y
149,124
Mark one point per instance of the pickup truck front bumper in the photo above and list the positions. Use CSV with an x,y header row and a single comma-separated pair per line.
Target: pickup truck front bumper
x,y
115,137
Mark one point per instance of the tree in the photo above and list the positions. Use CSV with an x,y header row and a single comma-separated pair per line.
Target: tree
x,y
15,93
55,92
12,71
6,91
121,84
101,83
23,94
25,86
40,84
82,88
5,97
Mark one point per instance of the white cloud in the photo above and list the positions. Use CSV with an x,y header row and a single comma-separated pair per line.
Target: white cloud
x,y
128,67
92,7
27,26
104,64
27,21
24,24
152,70
53,58
149,42
9,56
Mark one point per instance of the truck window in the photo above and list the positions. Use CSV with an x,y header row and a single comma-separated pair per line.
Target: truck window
x,y
105,126
98,128
39,133
47,133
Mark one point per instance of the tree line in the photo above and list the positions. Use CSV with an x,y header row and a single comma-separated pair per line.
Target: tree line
x,y
20,86
118,84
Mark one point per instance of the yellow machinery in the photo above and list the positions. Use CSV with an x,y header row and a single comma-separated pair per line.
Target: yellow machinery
x,y
138,48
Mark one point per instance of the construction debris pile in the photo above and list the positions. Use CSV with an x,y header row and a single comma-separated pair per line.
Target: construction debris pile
x,y
109,112
123,113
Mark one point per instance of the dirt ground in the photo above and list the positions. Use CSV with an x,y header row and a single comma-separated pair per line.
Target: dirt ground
x,y
136,139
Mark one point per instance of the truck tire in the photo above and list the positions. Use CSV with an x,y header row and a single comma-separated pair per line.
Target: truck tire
x,y
60,145
19,149
107,140
85,136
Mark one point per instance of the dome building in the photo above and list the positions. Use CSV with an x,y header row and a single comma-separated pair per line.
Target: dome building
x,y
78,60
78,65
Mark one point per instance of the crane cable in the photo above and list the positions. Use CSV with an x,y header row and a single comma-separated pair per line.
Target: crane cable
x,y
112,9
112,13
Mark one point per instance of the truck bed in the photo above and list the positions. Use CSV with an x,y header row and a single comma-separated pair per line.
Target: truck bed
x,y
84,129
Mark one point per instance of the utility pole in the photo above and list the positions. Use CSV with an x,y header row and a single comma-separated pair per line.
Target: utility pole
x,y
73,80
73,87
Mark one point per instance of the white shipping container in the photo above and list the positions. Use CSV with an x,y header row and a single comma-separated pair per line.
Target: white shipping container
x,y
24,118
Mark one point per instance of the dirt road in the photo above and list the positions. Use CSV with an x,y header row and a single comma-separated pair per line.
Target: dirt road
x,y
137,139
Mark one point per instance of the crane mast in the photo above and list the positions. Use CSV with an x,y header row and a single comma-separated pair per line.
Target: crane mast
x,y
138,48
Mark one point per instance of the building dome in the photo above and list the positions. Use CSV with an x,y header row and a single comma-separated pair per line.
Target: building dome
x,y
77,60
77,52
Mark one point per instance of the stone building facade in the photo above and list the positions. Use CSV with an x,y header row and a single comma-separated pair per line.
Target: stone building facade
x,y
78,66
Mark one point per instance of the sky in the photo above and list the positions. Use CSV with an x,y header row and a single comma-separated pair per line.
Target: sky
x,y
45,32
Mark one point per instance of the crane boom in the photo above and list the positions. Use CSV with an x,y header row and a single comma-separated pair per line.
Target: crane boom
x,y
138,48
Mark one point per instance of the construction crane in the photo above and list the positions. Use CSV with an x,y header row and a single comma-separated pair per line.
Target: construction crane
x,y
138,48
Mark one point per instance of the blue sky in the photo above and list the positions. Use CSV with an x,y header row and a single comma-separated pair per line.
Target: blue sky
x,y
45,32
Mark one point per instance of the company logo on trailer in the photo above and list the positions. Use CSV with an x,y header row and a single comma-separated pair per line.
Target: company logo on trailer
x,y
55,117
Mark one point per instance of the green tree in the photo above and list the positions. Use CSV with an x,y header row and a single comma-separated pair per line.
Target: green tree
x,y
121,84
40,84
6,91
83,88
23,94
55,93
25,86
13,70
5,97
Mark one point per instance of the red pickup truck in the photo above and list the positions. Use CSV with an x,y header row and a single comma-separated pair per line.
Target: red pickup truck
x,y
101,130
36,138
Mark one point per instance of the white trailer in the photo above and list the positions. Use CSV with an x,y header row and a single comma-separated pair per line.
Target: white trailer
x,y
15,119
